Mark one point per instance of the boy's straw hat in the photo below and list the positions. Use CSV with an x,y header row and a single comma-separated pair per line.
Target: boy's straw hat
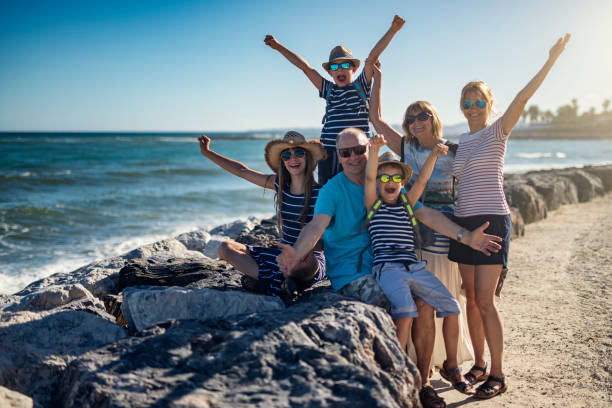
x,y
389,158
291,140
340,53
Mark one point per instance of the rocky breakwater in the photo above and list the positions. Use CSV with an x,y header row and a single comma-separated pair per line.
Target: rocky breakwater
x,y
169,325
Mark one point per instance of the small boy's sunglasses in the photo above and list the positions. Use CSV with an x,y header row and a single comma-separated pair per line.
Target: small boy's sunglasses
x,y
467,103
396,178
286,154
358,150
335,66
421,117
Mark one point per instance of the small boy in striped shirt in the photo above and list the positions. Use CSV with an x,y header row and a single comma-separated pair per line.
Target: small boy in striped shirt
x,y
346,99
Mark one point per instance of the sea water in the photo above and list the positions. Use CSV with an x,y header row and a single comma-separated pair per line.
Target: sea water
x,y
67,199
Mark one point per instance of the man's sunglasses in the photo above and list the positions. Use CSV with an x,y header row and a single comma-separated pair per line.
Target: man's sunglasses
x,y
467,103
335,66
421,117
358,150
385,178
286,154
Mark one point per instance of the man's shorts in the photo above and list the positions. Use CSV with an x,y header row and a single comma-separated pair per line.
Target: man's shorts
x,y
500,225
401,281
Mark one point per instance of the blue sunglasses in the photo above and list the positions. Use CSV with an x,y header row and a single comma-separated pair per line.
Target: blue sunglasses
x,y
467,103
335,66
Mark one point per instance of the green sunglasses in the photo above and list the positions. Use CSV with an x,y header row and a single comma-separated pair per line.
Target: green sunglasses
x,y
396,178
335,66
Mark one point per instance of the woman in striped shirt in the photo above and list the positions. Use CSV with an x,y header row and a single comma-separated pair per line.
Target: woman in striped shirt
x,y
479,167
293,160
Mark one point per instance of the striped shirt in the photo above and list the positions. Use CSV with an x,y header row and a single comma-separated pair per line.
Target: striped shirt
x,y
345,108
392,235
291,209
438,193
479,168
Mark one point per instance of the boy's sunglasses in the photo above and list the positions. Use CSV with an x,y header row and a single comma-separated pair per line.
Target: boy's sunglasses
x,y
385,178
467,103
335,66
286,154
358,150
421,117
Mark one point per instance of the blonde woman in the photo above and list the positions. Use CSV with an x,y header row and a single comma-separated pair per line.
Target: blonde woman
x,y
479,167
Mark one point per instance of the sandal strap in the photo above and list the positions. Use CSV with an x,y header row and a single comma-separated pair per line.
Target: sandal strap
x,y
479,368
501,381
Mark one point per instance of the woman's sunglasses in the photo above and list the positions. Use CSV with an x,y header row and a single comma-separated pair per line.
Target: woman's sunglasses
x,y
396,178
467,103
421,117
358,150
335,66
286,154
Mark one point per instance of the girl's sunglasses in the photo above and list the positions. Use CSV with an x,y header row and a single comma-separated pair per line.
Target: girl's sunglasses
x,y
286,154
421,117
335,66
358,150
467,103
396,178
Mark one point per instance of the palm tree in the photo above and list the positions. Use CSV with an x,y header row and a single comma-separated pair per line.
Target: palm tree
x,y
534,113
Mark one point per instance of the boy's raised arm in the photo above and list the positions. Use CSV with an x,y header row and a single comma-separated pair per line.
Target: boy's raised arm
x,y
370,195
380,46
295,59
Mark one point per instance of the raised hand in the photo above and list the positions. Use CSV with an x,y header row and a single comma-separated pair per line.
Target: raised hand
x,y
559,46
397,23
204,144
440,149
271,42
482,242
378,141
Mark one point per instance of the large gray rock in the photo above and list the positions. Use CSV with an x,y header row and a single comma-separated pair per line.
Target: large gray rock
x,y
587,185
327,352
555,190
233,229
37,347
51,297
524,197
167,248
604,173
195,240
145,306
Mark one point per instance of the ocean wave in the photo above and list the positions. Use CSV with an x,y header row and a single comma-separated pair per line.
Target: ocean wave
x,y
537,155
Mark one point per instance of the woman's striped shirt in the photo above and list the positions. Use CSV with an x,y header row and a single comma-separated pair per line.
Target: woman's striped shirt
x,y
479,168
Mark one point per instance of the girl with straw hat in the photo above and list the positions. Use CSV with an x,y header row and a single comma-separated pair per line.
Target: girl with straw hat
x,y
293,160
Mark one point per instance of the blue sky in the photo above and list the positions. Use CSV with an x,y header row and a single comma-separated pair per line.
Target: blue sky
x,y
202,65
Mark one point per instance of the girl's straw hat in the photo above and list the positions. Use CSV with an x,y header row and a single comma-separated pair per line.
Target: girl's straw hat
x,y
340,53
291,140
389,158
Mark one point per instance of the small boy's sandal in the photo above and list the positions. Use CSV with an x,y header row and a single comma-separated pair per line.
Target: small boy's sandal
x,y
450,375
472,379
487,390
430,399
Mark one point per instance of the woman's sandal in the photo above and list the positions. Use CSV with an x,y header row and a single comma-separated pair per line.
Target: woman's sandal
x,y
429,398
486,390
460,385
472,379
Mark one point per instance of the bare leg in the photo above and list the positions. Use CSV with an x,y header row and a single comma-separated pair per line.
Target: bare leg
x,y
450,332
402,328
485,284
423,335
236,254
473,316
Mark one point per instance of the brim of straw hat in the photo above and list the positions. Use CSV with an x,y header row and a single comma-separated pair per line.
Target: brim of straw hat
x,y
406,169
354,61
275,148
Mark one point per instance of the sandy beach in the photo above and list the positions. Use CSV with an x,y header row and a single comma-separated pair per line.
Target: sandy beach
x,y
556,307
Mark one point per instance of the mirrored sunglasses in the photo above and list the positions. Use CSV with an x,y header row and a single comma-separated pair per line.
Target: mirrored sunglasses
x,y
286,154
396,178
358,150
421,117
467,103
335,66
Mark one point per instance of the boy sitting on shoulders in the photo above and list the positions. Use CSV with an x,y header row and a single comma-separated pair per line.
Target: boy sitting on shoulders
x,y
347,98
392,227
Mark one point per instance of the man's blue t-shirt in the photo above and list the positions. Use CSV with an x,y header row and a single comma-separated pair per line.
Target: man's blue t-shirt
x,y
342,200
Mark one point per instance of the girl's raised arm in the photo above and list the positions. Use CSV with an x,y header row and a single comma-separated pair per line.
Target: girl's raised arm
x,y
235,167
514,111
